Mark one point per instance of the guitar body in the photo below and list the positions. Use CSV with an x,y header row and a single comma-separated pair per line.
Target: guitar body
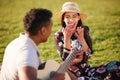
x,y
60,68
50,65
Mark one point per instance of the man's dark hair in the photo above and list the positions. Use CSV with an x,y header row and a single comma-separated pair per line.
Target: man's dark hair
x,y
35,19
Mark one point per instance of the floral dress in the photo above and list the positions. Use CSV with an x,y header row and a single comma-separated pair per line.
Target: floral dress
x,y
82,70
108,71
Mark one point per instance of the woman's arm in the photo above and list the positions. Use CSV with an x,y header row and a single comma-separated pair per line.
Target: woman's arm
x,y
80,36
62,42
59,42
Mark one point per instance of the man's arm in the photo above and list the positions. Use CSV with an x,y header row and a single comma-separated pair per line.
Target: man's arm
x,y
30,73
27,73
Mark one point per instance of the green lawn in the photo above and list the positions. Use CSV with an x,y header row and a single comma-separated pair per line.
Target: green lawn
x,y
103,20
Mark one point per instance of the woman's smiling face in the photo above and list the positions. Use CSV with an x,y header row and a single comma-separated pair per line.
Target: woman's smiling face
x,y
71,19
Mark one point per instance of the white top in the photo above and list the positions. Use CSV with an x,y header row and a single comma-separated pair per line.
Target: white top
x,y
20,52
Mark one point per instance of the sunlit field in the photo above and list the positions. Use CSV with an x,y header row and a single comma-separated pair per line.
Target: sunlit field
x,y
103,19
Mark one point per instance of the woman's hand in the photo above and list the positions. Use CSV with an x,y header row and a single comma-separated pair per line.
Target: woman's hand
x,y
80,33
67,32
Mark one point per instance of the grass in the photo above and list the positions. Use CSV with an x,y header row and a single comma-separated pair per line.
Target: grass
x,y
103,20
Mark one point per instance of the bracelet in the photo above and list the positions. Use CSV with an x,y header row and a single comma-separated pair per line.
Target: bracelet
x,y
88,52
81,78
67,49
51,74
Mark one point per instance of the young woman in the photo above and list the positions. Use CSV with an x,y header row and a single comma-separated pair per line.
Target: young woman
x,y
72,28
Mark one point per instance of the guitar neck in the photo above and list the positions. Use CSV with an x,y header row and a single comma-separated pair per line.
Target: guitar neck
x,y
64,66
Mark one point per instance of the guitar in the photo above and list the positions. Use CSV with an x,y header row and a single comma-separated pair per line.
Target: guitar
x,y
52,65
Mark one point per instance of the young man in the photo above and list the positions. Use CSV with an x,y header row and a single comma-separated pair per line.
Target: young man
x,y
21,58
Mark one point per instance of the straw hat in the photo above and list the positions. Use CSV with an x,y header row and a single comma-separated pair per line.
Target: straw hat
x,y
71,7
